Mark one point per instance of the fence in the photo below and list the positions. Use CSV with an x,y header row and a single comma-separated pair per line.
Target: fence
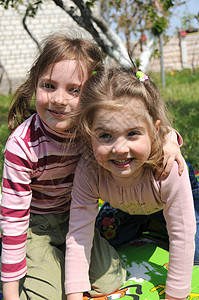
x,y
179,52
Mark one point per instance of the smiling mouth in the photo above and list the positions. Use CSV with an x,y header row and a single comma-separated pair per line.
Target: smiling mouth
x,y
122,162
57,113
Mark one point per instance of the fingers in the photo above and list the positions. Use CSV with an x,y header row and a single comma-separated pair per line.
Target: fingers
x,y
180,162
167,167
172,153
168,164
177,156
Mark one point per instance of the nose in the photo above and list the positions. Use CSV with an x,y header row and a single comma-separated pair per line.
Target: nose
x,y
60,97
120,146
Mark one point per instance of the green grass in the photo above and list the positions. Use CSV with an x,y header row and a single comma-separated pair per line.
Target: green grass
x,y
4,131
182,97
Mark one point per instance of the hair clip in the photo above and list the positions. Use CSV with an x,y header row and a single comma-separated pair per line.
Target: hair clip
x,y
141,76
94,72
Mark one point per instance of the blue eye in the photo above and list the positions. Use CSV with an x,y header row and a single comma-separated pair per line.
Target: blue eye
x,y
74,91
105,136
132,133
48,86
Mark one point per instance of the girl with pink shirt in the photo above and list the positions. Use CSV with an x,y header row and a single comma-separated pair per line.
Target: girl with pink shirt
x,y
124,124
40,161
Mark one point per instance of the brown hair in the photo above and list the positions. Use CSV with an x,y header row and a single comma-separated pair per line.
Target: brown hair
x,y
116,87
55,48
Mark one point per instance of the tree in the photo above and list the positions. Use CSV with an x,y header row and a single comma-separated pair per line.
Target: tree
x,y
188,21
146,20
126,16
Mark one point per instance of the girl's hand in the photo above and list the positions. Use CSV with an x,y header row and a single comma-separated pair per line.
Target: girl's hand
x,y
173,298
75,296
11,290
171,153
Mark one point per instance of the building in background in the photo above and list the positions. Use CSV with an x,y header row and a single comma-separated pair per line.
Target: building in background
x,y
18,50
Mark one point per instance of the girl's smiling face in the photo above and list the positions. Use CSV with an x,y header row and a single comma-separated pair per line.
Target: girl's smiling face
x,y
57,93
120,141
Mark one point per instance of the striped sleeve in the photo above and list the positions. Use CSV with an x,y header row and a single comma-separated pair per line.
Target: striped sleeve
x,y
15,209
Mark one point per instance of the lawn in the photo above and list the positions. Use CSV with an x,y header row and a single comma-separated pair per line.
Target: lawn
x,y
4,132
182,97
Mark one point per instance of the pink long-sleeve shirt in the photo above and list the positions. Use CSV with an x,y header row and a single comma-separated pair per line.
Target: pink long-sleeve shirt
x,y
38,176
143,196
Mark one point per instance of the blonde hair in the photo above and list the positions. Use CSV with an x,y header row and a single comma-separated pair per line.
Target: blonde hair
x,y
55,48
115,88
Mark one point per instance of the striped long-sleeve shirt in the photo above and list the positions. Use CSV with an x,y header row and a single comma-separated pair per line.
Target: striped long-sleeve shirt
x,y
38,175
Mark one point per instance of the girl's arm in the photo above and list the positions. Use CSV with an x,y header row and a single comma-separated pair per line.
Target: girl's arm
x,y
172,153
11,290
173,298
181,226
14,216
75,296
81,232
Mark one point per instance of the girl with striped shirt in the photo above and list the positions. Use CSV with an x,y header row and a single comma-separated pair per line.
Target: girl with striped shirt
x,y
40,161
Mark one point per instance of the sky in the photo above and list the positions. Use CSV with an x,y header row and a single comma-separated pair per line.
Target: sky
x,y
191,7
